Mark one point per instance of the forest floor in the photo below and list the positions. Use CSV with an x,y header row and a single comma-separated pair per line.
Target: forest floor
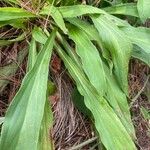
x,y
70,126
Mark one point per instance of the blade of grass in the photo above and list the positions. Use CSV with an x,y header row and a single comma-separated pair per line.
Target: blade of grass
x,y
89,57
119,47
7,42
29,103
9,13
75,10
102,112
143,7
115,96
14,23
57,16
140,37
45,141
123,9
32,56
118,101
39,36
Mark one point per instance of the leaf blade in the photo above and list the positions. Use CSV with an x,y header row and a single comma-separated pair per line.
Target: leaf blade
x,y
17,137
79,10
143,7
89,57
118,46
9,13
140,37
102,112
123,9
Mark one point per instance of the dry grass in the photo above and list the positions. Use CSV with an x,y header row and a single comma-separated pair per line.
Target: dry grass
x,y
138,75
70,126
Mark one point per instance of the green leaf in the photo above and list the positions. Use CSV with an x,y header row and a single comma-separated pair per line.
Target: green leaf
x,y
79,10
45,139
112,132
12,1
38,35
123,9
32,55
140,37
143,7
145,113
141,54
7,42
118,22
119,47
78,101
14,23
1,120
56,15
45,142
85,26
9,13
118,101
90,59
29,103
69,49
92,33
115,96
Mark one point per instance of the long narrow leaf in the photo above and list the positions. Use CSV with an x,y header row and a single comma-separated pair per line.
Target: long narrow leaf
x,y
90,58
56,15
140,37
118,100
123,9
14,22
39,36
29,103
85,26
143,7
107,123
32,56
45,139
75,10
141,54
45,142
7,42
9,13
115,96
118,46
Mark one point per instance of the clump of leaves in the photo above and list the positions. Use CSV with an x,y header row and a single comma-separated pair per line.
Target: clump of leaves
x,y
104,44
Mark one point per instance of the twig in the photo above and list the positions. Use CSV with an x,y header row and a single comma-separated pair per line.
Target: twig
x,y
84,143
139,93
47,19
